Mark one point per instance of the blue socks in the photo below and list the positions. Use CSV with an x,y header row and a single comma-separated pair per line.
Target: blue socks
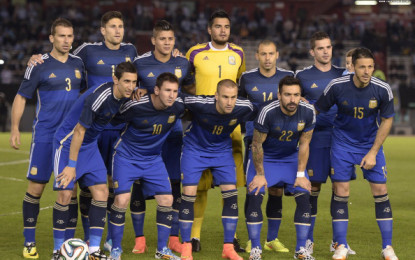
x,y
97,219
60,221
274,216
186,216
340,215
229,214
85,198
164,218
254,219
302,218
30,214
384,218
116,225
313,204
138,209
72,219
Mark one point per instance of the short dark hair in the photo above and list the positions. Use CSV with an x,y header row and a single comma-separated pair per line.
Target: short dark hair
x,y
350,52
162,25
60,22
123,67
166,76
110,15
288,81
227,83
316,37
359,53
218,14
266,42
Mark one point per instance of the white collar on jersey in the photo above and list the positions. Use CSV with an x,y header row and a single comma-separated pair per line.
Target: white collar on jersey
x,y
213,48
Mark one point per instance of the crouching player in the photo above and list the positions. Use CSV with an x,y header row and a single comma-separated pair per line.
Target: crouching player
x,y
77,157
280,126
137,156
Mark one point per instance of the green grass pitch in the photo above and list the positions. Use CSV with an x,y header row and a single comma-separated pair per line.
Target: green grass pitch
x,y
364,236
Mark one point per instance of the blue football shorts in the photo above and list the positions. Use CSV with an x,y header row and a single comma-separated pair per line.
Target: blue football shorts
x,y
106,143
172,150
40,162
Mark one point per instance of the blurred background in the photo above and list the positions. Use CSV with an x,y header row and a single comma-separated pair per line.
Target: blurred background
x,y
385,27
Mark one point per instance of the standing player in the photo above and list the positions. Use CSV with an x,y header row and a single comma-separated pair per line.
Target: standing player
x,y
313,81
357,140
261,85
57,84
76,139
138,156
100,60
149,66
280,149
207,145
212,62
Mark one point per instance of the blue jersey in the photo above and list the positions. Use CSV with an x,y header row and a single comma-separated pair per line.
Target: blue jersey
x,y
357,120
313,83
100,62
149,68
57,86
147,128
93,110
283,131
260,89
210,131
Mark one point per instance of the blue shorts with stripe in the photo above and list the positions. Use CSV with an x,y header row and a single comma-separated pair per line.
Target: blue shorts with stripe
x,y
222,167
278,173
90,168
106,143
40,162
152,174
344,166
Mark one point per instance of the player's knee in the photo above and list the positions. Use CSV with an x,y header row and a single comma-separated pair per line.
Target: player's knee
x,y
342,188
100,192
316,186
254,211
35,189
164,200
303,209
64,197
378,189
122,200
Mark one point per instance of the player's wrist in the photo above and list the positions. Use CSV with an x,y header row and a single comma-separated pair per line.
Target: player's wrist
x,y
72,163
300,174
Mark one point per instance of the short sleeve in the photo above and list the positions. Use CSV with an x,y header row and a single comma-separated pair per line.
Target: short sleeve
x,y
87,114
327,99
31,81
386,106
311,121
261,122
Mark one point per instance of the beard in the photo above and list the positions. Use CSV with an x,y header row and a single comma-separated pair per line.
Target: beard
x,y
219,42
286,107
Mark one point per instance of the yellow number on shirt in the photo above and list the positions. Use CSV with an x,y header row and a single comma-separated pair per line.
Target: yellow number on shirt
x,y
69,87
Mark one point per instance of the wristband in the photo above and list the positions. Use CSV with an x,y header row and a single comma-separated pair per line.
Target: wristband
x,y
72,163
300,174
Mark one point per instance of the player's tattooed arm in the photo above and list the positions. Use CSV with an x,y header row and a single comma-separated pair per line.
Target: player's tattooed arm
x,y
259,180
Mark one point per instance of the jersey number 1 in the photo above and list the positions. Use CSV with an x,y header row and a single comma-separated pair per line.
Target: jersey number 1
x,y
220,71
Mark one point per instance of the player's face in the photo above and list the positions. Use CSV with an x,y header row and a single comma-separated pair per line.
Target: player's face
x,y
363,71
63,39
349,66
289,98
113,31
226,99
322,52
220,30
124,86
163,42
267,56
167,93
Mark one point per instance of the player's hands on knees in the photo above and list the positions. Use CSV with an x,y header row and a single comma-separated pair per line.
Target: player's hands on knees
x,y
66,176
257,182
15,139
369,161
35,59
303,182
138,93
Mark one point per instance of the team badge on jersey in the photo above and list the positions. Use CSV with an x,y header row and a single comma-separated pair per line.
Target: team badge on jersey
x,y
373,103
232,60
178,72
33,170
233,121
77,74
127,59
300,126
171,119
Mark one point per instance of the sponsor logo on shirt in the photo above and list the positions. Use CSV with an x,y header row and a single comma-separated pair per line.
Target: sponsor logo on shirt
x,y
100,62
314,85
254,89
150,75
52,75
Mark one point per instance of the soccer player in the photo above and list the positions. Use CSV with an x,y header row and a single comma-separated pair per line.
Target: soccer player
x,y
100,60
77,157
280,149
349,67
57,83
207,145
137,156
363,121
261,85
313,81
212,62
149,66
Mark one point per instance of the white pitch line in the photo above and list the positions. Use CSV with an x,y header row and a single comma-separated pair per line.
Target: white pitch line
x,y
11,150
10,179
14,162
19,212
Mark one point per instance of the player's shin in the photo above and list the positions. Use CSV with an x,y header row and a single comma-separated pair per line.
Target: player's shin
x,y
138,209
30,214
163,218
84,204
254,219
186,216
175,213
229,214
72,220
384,218
116,225
109,204
274,216
302,218
313,203
97,219
340,215
60,220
